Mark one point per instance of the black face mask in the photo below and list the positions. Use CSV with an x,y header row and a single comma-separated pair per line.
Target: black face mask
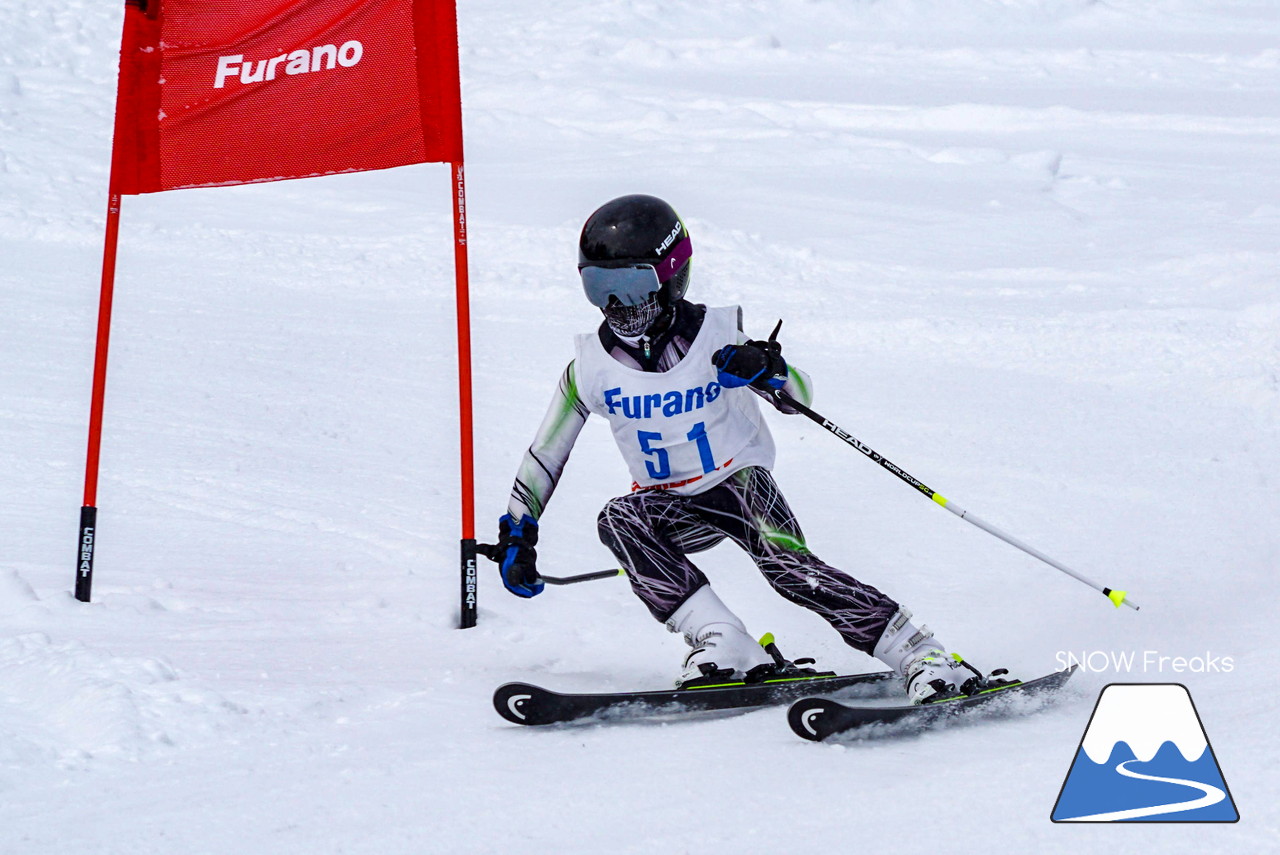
x,y
632,321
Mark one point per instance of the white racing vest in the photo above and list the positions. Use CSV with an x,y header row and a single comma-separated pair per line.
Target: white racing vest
x,y
679,430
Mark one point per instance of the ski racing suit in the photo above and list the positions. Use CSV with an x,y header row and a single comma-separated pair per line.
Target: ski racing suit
x,y
700,456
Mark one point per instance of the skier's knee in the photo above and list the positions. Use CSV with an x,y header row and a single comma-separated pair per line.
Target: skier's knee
x,y
610,523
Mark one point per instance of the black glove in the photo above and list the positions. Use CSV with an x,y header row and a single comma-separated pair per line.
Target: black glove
x,y
757,363
517,558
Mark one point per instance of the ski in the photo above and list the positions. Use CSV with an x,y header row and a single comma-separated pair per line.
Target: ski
x,y
818,719
522,703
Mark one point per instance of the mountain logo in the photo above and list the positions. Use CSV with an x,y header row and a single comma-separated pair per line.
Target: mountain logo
x,y
1145,757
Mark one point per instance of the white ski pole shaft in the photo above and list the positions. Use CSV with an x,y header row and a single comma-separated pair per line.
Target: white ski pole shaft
x,y
1118,598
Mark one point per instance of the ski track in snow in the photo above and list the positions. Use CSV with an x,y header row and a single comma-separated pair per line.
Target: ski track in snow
x,y
1026,248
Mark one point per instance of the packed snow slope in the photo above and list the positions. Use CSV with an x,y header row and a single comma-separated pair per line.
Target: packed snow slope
x,y
1026,248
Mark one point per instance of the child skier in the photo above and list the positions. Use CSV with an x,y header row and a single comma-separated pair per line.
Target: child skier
x,y
680,386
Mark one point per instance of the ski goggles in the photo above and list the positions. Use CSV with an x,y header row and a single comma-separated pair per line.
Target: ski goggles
x,y
631,283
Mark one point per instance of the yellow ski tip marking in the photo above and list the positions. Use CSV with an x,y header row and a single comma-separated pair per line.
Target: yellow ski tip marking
x,y
937,497
1117,597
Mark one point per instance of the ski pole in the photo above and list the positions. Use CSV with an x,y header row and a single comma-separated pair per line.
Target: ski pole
x,y
583,577
1117,597
493,553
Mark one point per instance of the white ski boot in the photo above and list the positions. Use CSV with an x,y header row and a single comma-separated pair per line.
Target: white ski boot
x,y
935,675
929,672
723,650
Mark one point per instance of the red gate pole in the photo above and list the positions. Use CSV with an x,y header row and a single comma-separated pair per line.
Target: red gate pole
x,y
466,445
89,510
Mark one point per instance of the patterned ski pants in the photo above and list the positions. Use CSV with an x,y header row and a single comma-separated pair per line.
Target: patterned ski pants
x,y
652,532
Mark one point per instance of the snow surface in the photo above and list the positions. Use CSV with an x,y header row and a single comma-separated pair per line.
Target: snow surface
x,y
1027,249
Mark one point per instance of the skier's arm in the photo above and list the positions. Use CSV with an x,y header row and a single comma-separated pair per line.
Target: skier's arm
x,y
798,386
544,461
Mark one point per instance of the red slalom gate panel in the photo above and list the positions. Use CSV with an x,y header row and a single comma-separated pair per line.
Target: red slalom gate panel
x,y
223,92
218,92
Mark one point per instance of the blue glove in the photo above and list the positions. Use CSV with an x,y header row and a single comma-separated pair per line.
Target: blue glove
x,y
518,559
757,363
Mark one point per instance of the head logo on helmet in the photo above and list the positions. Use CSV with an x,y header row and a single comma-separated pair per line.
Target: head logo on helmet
x,y
675,230
632,234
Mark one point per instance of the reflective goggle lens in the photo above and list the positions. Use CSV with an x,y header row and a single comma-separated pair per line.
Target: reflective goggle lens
x,y
631,285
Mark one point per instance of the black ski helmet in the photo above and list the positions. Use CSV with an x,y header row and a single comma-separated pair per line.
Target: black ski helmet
x,y
639,229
